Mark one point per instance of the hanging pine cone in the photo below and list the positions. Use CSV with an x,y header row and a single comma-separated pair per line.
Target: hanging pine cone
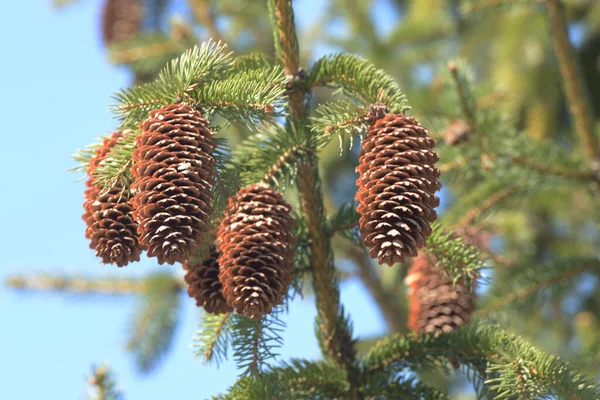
x,y
436,306
108,216
255,239
121,20
173,175
396,188
204,285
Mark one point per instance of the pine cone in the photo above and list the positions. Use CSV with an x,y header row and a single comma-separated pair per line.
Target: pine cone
x,y
204,285
435,306
457,132
108,216
255,239
121,20
396,188
173,175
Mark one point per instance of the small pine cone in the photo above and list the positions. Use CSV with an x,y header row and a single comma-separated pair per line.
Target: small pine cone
x,y
121,20
456,133
255,239
108,216
396,188
204,285
436,306
173,172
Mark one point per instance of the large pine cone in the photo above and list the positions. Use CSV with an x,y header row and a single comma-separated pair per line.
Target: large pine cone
x,y
396,188
204,285
436,306
173,172
255,239
108,216
121,20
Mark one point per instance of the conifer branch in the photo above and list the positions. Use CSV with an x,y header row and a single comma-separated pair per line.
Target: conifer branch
x,y
103,385
531,284
333,329
476,343
490,202
155,323
84,285
213,338
575,88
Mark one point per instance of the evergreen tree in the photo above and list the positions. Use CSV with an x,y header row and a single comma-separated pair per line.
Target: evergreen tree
x,y
225,161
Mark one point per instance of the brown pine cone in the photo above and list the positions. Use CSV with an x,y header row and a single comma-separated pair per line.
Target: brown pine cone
x,y
436,306
173,172
121,20
204,285
456,133
396,188
108,216
255,239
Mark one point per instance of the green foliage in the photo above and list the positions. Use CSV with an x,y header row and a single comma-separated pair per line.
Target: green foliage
x,y
342,118
214,337
345,222
381,386
254,341
228,181
252,61
471,7
272,155
523,370
103,385
155,322
208,77
359,79
459,260
295,380
250,96
116,166
529,286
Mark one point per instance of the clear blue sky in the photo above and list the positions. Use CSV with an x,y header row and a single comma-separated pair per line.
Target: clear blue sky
x,y
55,84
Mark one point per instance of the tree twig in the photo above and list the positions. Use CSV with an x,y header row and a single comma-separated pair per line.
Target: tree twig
x,y
573,80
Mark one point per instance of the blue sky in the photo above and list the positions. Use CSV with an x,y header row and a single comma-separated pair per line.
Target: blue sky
x,y
56,83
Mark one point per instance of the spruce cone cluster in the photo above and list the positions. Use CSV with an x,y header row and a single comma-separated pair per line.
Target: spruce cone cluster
x,y
173,175
255,239
108,216
396,188
204,285
436,306
121,20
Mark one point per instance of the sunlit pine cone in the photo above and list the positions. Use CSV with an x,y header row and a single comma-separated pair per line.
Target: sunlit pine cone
x,y
204,285
173,172
396,188
108,216
121,20
256,239
436,306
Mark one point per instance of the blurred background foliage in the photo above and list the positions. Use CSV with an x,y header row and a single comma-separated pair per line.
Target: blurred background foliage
x,y
515,76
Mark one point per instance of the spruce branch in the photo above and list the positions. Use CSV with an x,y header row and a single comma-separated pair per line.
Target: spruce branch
x,y
345,222
255,341
287,50
461,261
342,118
550,278
380,385
360,80
476,342
115,168
103,385
145,53
575,88
272,156
338,342
83,285
214,337
473,6
155,323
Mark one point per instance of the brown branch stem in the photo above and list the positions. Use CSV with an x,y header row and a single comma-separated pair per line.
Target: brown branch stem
x,y
575,88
